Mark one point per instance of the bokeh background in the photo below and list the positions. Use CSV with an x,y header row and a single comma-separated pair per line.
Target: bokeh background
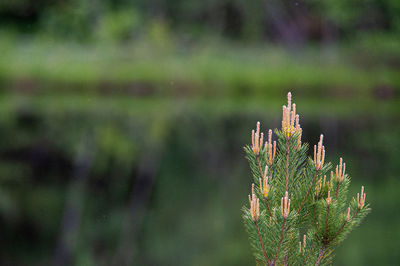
x,y
122,122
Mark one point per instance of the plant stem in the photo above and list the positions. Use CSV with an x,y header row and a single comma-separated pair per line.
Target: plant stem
x,y
321,253
280,240
326,221
261,242
315,218
337,190
259,166
343,225
266,204
287,165
262,176
308,191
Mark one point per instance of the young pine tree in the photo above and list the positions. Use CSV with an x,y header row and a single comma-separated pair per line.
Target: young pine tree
x,y
298,207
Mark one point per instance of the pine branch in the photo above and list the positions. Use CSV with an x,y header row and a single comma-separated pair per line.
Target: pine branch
x,y
308,192
267,205
280,240
287,165
259,165
344,224
261,174
326,222
337,190
315,218
321,253
261,242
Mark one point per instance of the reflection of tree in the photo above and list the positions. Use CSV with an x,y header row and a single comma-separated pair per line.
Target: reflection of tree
x,y
74,203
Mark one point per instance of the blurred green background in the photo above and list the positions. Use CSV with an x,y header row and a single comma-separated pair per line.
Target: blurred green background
x,y
122,122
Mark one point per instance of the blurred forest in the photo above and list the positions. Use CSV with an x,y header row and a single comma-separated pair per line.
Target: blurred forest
x,y
122,122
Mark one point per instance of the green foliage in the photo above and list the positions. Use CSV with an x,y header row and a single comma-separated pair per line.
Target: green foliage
x,y
238,19
318,208
119,25
72,20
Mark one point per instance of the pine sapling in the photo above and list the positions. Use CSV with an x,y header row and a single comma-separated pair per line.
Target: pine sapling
x,y
297,215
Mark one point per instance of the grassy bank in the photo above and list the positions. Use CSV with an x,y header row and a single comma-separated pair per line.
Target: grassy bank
x,y
361,69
